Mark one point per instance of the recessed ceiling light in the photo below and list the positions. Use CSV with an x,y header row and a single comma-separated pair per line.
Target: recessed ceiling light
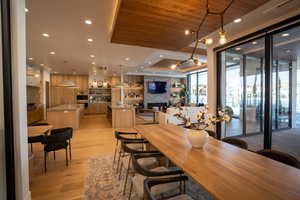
x,y
187,32
161,56
149,62
90,40
41,64
173,66
45,35
36,75
285,35
93,63
238,49
238,20
254,42
26,10
30,58
92,56
127,59
52,52
88,21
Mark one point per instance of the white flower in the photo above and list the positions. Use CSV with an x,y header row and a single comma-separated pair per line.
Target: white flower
x,y
198,115
226,117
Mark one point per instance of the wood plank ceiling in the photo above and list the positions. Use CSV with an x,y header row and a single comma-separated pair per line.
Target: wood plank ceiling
x,y
161,23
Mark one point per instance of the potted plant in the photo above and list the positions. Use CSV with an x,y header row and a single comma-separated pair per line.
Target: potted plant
x,y
198,136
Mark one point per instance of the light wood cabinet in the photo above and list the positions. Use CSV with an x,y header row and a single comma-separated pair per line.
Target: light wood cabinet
x,y
65,95
35,114
123,117
96,108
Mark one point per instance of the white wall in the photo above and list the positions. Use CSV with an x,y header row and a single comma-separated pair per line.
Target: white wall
x,y
19,98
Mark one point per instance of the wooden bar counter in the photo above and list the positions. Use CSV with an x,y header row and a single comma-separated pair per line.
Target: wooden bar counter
x,y
65,115
226,171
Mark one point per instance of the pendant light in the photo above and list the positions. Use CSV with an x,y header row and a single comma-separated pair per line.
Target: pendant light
x,y
207,41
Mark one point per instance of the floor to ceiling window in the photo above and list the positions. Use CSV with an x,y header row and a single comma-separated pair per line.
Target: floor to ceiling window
x,y
198,87
286,87
243,81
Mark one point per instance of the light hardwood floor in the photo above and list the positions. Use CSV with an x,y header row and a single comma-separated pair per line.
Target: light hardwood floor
x,y
95,137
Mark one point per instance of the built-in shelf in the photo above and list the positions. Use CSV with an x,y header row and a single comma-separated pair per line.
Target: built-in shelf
x,y
133,99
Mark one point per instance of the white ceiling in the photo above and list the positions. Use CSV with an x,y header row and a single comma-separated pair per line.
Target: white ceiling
x,y
63,20
270,13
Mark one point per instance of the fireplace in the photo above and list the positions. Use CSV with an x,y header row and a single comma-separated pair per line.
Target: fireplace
x,y
151,105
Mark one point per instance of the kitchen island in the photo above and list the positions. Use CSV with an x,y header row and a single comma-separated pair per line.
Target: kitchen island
x,y
67,115
121,116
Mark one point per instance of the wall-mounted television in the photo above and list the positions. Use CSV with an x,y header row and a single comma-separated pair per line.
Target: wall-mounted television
x,y
157,87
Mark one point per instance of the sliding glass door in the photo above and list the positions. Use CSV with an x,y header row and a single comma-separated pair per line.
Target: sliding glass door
x,y
242,90
197,84
260,86
286,87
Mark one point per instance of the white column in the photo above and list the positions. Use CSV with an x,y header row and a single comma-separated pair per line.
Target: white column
x,y
19,98
211,82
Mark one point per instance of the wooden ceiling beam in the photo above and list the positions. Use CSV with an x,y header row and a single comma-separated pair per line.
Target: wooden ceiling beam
x,y
160,24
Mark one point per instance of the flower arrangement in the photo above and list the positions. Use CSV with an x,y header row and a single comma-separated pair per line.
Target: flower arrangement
x,y
180,115
204,119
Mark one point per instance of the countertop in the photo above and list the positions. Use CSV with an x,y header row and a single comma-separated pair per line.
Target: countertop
x,y
65,107
125,106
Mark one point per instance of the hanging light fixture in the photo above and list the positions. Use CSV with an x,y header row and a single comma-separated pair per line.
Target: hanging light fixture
x,y
222,36
191,61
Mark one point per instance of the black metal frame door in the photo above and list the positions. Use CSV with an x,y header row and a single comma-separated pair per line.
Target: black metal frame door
x,y
7,100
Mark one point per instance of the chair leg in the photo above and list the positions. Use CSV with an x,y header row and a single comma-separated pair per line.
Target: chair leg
x,y
120,172
130,191
54,155
45,161
116,149
118,163
127,172
31,148
70,149
66,156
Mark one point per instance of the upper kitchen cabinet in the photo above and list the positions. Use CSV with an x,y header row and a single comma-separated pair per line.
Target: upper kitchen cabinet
x,y
79,80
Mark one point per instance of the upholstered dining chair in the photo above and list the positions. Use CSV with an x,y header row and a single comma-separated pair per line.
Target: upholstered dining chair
x,y
54,143
141,173
126,146
118,150
211,133
36,139
68,132
152,183
280,157
236,142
